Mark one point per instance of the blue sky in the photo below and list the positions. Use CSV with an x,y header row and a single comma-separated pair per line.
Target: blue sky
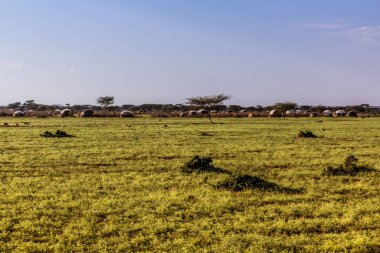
x,y
258,51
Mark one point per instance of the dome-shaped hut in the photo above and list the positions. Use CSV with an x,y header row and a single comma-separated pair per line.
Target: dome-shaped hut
x,y
290,113
327,113
203,112
18,113
87,113
340,113
126,114
65,113
183,114
193,113
352,114
274,113
313,115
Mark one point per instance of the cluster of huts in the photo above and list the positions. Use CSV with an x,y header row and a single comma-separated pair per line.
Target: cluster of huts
x,y
326,113
18,112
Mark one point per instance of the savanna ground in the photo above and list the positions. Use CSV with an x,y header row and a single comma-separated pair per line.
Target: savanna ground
x,y
117,186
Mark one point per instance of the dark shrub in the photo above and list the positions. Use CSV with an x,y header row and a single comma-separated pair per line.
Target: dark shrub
x,y
349,168
58,134
201,164
48,134
205,134
306,134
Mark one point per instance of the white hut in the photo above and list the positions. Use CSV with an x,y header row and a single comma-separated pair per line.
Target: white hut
x,y
203,112
193,113
290,113
274,113
327,113
340,113
65,113
18,113
126,114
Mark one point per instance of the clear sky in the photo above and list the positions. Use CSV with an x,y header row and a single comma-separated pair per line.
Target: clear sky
x,y
145,51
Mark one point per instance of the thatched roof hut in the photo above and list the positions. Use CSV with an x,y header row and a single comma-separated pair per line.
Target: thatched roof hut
x,y
18,113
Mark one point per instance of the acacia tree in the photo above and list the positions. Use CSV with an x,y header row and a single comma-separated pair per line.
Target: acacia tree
x,y
208,102
285,106
105,101
30,104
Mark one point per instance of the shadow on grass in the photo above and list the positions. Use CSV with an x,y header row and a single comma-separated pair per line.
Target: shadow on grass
x,y
349,168
343,171
248,182
58,134
202,164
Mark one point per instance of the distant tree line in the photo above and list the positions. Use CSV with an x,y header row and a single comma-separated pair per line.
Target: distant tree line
x,y
106,103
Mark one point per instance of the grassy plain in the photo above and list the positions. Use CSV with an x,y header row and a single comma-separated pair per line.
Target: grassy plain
x,y
118,187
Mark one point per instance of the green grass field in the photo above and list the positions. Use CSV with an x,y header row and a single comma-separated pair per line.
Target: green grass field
x,y
117,186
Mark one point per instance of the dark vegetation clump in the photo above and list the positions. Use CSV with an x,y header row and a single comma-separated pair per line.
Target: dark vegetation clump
x,y
306,134
58,134
201,164
205,134
349,168
42,116
248,182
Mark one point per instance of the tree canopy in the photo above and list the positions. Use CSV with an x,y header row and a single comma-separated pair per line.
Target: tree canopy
x,y
105,101
209,102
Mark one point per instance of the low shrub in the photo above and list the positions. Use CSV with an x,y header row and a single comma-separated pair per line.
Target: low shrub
x,y
58,134
201,164
205,134
349,168
306,134
248,182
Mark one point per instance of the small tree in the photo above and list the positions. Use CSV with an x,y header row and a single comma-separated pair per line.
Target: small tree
x,y
285,106
208,102
14,105
105,101
30,105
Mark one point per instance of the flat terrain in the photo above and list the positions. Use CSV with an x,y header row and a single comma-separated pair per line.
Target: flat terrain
x,y
117,186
